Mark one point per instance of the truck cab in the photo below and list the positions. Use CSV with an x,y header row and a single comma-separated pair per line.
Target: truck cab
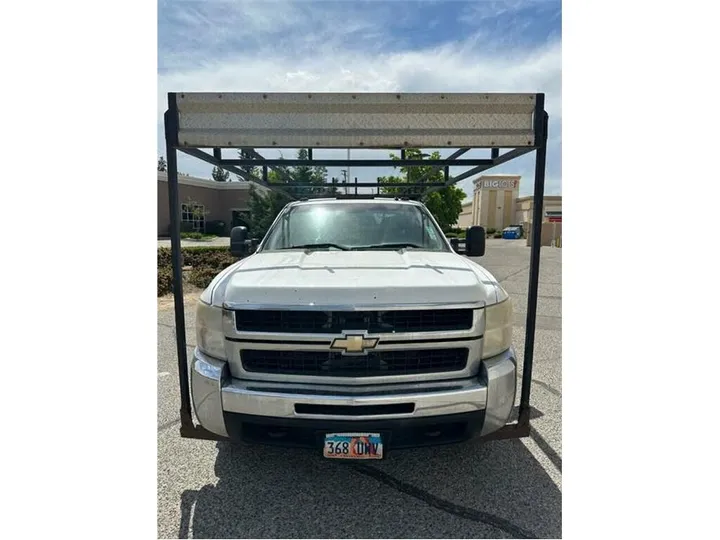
x,y
354,328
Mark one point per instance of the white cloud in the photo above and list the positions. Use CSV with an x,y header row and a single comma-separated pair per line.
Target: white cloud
x,y
463,66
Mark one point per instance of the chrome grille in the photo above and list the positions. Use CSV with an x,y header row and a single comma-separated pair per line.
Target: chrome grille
x,y
375,363
374,322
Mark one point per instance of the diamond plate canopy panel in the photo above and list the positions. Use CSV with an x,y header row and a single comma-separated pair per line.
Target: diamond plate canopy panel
x,y
289,120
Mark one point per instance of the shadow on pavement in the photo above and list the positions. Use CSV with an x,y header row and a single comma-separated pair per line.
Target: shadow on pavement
x,y
471,490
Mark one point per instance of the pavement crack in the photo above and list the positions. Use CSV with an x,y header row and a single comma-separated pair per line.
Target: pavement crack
x,y
549,388
514,274
443,505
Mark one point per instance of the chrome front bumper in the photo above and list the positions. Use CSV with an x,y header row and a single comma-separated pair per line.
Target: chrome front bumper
x,y
215,392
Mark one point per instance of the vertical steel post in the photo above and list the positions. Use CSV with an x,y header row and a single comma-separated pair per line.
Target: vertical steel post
x,y
171,143
541,125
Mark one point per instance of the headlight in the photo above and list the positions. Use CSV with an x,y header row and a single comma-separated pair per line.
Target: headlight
x,y
209,330
498,328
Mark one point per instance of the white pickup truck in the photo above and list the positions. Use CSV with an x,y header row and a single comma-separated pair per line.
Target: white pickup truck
x,y
354,328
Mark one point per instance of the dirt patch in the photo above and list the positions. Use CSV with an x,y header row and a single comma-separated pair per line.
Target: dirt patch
x,y
191,295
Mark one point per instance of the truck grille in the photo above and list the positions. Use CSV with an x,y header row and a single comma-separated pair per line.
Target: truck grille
x,y
333,322
374,364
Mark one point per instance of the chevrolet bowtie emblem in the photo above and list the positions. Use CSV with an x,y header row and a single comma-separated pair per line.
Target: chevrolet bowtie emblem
x,y
354,344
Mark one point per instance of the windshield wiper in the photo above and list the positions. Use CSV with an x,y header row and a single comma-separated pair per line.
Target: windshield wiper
x,y
398,245
318,246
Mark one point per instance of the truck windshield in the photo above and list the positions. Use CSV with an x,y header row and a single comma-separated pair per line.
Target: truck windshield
x,y
355,226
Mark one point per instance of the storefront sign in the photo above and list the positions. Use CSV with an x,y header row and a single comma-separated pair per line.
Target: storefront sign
x,y
499,184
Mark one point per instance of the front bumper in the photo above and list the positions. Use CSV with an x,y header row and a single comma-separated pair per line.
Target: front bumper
x,y
407,414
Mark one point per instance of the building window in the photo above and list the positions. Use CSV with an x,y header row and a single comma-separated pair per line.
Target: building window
x,y
194,214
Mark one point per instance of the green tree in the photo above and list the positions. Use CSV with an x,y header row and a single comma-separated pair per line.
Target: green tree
x,y
412,175
305,174
162,164
444,204
251,170
295,176
220,175
264,207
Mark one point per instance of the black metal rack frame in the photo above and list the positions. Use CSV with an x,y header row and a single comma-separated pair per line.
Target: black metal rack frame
x,y
205,130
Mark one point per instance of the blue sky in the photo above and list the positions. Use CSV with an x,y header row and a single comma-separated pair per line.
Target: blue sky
x,y
380,46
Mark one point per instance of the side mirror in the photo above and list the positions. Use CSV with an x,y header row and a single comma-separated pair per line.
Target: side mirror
x,y
238,242
455,245
475,241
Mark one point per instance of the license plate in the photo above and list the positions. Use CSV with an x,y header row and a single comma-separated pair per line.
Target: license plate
x,y
353,446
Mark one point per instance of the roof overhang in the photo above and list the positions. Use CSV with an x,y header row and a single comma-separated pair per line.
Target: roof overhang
x,y
209,184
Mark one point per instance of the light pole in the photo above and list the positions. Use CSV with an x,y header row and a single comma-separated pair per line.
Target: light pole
x,y
345,179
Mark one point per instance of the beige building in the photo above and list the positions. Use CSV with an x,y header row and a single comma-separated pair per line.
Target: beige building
x,y
494,200
202,201
496,204
552,205
466,215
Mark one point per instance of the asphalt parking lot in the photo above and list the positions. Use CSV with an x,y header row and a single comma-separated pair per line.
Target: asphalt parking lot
x,y
499,489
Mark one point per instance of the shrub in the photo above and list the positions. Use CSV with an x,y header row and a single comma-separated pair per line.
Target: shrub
x,y
164,280
202,276
491,230
211,256
197,236
206,262
215,258
198,256
164,258
455,232
497,234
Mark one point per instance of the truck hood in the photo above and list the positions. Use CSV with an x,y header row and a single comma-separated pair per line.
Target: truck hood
x,y
354,278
